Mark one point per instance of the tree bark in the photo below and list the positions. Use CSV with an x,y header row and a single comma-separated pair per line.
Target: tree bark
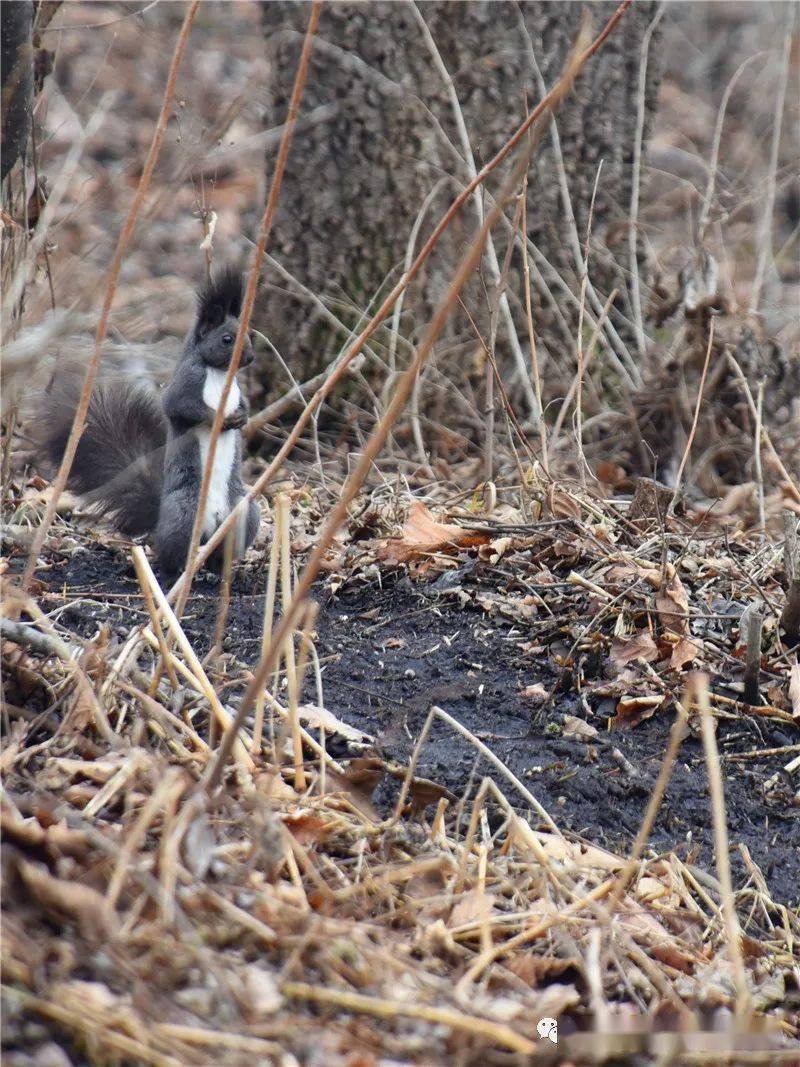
x,y
17,80
357,179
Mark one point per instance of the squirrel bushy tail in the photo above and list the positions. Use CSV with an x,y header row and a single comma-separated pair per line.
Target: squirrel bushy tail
x,y
119,463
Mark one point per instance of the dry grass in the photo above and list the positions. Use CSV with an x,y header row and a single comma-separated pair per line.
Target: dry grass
x,y
146,917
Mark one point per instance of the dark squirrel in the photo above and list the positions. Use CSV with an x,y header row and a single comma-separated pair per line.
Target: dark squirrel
x,y
140,462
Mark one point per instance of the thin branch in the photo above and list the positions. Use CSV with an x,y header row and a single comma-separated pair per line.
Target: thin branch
x,y
633,222
765,239
688,449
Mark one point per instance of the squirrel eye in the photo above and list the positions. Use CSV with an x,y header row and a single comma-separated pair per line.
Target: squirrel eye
x,y
227,339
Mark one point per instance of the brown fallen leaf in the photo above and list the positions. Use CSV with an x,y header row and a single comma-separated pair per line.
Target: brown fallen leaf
x,y
79,903
423,792
633,710
316,717
561,505
474,907
638,646
579,728
558,850
423,534
683,652
610,473
309,827
495,550
535,692
672,605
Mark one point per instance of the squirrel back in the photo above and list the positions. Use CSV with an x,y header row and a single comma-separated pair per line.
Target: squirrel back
x,y
119,463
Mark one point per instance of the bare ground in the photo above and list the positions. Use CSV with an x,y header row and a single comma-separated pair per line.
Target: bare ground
x,y
389,649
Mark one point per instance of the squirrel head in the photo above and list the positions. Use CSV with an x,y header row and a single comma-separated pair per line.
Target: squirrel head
x,y
219,305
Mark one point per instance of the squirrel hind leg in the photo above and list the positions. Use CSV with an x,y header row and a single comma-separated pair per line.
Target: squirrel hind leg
x,y
174,532
252,524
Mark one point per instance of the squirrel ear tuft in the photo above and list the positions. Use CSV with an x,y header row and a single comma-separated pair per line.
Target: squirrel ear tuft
x,y
219,299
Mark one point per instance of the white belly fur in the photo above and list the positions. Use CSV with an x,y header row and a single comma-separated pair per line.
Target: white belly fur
x,y
217,502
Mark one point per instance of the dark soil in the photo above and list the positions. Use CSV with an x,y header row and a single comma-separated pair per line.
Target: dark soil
x,y
391,651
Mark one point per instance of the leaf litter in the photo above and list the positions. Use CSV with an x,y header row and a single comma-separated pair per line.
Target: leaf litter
x,y
264,920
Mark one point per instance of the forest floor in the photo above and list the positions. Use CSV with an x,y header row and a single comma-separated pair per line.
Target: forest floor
x,y
398,903
395,907
390,647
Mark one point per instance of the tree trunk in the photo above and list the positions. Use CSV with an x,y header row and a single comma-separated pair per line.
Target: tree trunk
x,y
379,135
17,78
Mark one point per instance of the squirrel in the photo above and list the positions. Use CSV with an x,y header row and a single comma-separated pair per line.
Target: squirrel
x,y
140,463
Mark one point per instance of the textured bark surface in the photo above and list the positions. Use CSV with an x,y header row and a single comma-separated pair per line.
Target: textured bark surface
x,y
358,176
17,80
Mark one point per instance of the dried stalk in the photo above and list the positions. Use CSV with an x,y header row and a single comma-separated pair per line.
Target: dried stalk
x,y
222,716
791,485
144,577
282,522
633,221
732,930
693,431
497,1033
266,630
537,380
752,624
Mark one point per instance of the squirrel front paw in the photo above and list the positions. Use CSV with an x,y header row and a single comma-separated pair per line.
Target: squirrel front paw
x,y
235,421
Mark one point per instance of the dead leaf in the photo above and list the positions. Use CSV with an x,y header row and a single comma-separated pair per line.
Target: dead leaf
x,y
650,889
321,717
79,903
683,652
423,792
633,710
364,772
559,850
395,642
672,605
475,907
537,971
272,785
561,505
638,646
610,473
536,692
422,534
309,827
495,550
579,728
